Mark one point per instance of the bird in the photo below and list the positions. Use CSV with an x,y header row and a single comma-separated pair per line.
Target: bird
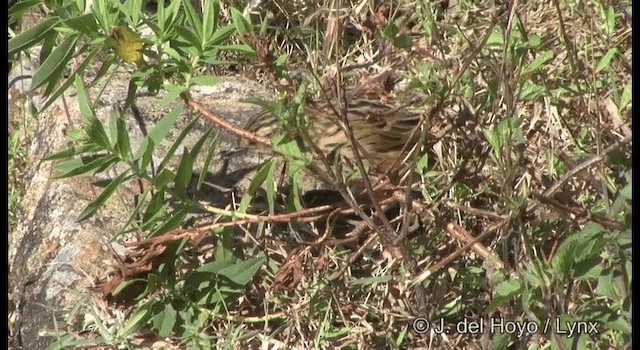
x,y
386,132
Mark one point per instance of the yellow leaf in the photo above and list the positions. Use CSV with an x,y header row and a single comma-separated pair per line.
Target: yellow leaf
x,y
128,44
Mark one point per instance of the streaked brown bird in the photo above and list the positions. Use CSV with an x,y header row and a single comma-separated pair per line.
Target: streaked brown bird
x,y
385,132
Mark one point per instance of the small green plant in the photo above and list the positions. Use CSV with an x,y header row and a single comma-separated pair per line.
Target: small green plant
x,y
540,170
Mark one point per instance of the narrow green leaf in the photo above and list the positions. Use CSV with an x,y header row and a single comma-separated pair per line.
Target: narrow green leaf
x,y
85,165
132,9
207,162
172,93
175,221
33,35
610,20
270,188
139,317
221,35
189,36
535,65
605,61
113,130
210,15
103,196
19,8
365,281
195,150
131,92
94,127
85,24
133,215
256,182
242,48
176,144
73,151
67,341
104,68
240,22
70,80
154,210
162,127
124,144
193,18
52,68
184,173
146,158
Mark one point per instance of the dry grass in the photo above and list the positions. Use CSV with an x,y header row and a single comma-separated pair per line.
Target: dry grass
x,y
537,159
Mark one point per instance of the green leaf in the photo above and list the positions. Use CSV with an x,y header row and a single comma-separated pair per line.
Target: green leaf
x,y
535,65
104,12
240,22
195,150
84,165
243,272
164,178
606,287
210,15
184,173
403,42
605,61
365,281
257,181
270,188
626,192
288,146
19,8
146,157
73,151
52,68
176,220
132,9
102,198
67,341
207,161
207,80
508,288
625,100
33,35
133,215
139,317
165,320
240,272
221,35
178,141
70,80
173,93
189,36
85,24
162,127
496,38
154,210
195,25
94,127
610,20
104,68
123,145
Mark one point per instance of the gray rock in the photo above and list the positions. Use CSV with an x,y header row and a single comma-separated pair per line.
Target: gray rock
x,y
54,259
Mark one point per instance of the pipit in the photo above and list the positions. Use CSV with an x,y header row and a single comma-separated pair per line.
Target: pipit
x,y
385,133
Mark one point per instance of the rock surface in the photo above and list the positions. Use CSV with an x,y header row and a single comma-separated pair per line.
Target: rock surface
x,y
53,258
